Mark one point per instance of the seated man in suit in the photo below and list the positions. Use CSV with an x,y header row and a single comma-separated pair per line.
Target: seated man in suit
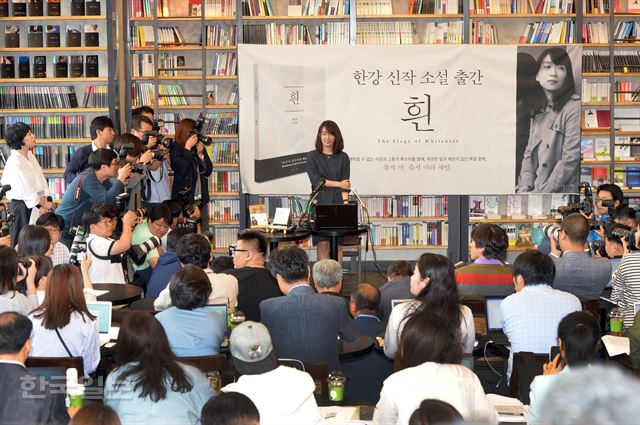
x,y
24,398
577,272
304,325
363,307
327,277
397,286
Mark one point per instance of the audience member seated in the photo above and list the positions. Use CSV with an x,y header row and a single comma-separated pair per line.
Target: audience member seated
x,y
10,272
62,325
195,249
433,284
167,264
634,342
44,265
24,398
230,409
149,385
55,225
191,328
432,411
100,220
429,367
579,342
327,277
530,317
221,263
156,224
255,282
34,240
367,372
283,395
95,414
598,394
487,275
626,284
397,287
304,325
577,272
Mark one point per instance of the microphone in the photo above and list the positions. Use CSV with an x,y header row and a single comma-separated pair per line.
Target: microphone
x,y
321,183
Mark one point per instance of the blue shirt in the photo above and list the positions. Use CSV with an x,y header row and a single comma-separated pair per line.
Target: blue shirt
x,y
192,333
166,266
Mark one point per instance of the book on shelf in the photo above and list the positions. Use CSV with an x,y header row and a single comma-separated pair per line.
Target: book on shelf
x,y
213,8
35,38
61,66
602,150
36,8
619,177
626,32
222,123
142,65
595,32
53,35
599,175
595,91
221,210
537,233
587,148
76,66
37,97
258,217
91,68
410,234
74,36
262,7
512,233
92,8
51,126
596,118
492,206
24,67
221,35
524,234
626,92
405,206
19,7
484,33
169,94
626,61
96,97
397,32
595,61
91,35
544,32
493,7
627,119
77,7
225,152
476,206
535,206
195,8
215,98
11,36
39,67
224,181
377,7
596,7
7,67
622,152
4,8
225,64
514,207
585,175
53,8
294,8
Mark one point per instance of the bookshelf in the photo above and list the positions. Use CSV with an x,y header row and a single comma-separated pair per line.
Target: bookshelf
x,y
56,75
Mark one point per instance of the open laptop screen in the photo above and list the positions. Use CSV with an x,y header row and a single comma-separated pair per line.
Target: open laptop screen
x,y
494,318
102,311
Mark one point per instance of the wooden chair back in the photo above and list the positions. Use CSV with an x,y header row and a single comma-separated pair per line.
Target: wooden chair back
x,y
526,366
318,371
217,368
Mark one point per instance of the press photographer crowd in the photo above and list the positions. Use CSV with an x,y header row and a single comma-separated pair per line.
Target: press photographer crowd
x,y
135,213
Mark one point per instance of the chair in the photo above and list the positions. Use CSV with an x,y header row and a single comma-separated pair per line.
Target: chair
x,y
48,364
526,366
210,366
351,248
318,371
592,307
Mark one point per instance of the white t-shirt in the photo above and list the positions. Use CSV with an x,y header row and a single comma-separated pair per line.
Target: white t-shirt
x,y
103,271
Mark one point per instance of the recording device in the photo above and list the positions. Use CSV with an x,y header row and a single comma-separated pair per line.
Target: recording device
x,y
190,209
621,231
4,189
151,133
157,124
139,252
599,246
576,205
138,168
6,220
158,156
188,223
78,251
551,231
122,204
198,130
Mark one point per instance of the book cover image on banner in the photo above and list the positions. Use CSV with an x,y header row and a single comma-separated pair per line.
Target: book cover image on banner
x,y
288,101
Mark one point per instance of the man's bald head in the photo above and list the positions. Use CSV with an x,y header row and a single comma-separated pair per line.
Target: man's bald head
x,y
365,299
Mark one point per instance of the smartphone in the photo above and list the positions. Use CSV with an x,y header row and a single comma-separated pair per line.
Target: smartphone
x,y
366,413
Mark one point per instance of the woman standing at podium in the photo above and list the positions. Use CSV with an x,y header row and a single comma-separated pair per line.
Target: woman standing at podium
x,y
328,167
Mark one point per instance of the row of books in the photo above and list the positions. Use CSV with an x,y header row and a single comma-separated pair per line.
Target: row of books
x,y
168,94
223,237
405,206
171,120
36,8
410,234
548,32
57,187
222,123
625,119
626,91
171,8
374,7
96,97
221,35
522,235
224,210
484,33
515,206
397,32
225,64
622,176
53,156
599,61
49,127
626,32
284,34
224,181
63,66
296,204
40,97
216,96
224,152
36,38
438,7
595,32
144,36
595,91
493,7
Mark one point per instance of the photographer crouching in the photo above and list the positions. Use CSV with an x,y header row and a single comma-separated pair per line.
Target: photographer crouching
x,y
191,164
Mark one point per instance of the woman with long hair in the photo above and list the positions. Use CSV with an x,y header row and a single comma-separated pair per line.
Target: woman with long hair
x,y
191,166
149,385
433,285
34,240
11,271
329,163
579,342
63,325
551,159
429,367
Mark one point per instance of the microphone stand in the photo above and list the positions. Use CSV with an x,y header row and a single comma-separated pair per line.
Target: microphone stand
x,y
369,235
304,223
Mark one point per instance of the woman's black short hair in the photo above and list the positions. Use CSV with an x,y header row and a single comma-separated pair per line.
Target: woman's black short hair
x,y
229,408
51,219
334,130
189,288
492,238
559,56
129,139
33,240
14,134
161,211
580,336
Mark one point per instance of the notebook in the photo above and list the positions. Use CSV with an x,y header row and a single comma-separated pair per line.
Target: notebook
x,y
337,216
102,311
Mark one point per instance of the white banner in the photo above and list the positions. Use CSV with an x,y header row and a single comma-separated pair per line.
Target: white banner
x,y
416,119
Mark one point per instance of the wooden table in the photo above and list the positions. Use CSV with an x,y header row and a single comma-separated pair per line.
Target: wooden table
x,y
118,294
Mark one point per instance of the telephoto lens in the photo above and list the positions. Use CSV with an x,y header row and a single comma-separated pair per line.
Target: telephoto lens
x,y
551,231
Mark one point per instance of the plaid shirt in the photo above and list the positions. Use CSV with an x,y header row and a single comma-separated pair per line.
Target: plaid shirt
x,y
60,254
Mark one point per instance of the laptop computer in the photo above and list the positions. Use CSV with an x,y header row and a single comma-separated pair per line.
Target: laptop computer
x,y
102,311
223,310
337,216
494,320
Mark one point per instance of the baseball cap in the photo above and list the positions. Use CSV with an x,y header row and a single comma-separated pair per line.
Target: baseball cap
x,y
251,349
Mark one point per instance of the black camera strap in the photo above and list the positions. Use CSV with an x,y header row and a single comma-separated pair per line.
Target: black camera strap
x,y
64,344
112,258
76,197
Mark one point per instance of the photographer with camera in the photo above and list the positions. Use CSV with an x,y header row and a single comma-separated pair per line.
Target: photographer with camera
x,y
28,188
577,272
191,164
131,150
102,135
142,128
106,253
626,279
147,242
92,185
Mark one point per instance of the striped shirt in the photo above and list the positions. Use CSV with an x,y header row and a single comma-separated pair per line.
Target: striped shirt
x,y
626,286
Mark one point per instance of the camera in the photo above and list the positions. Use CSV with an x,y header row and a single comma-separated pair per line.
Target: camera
x,y
122,204
78,250
159,156
138,168
139,252
188,223
621,231
200,131
153,133
6,220
157,124
599,247
4,189
576,205
551,231
190,209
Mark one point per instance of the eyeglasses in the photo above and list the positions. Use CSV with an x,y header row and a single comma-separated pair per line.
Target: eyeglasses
x,y
160,225
109,220
233,250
